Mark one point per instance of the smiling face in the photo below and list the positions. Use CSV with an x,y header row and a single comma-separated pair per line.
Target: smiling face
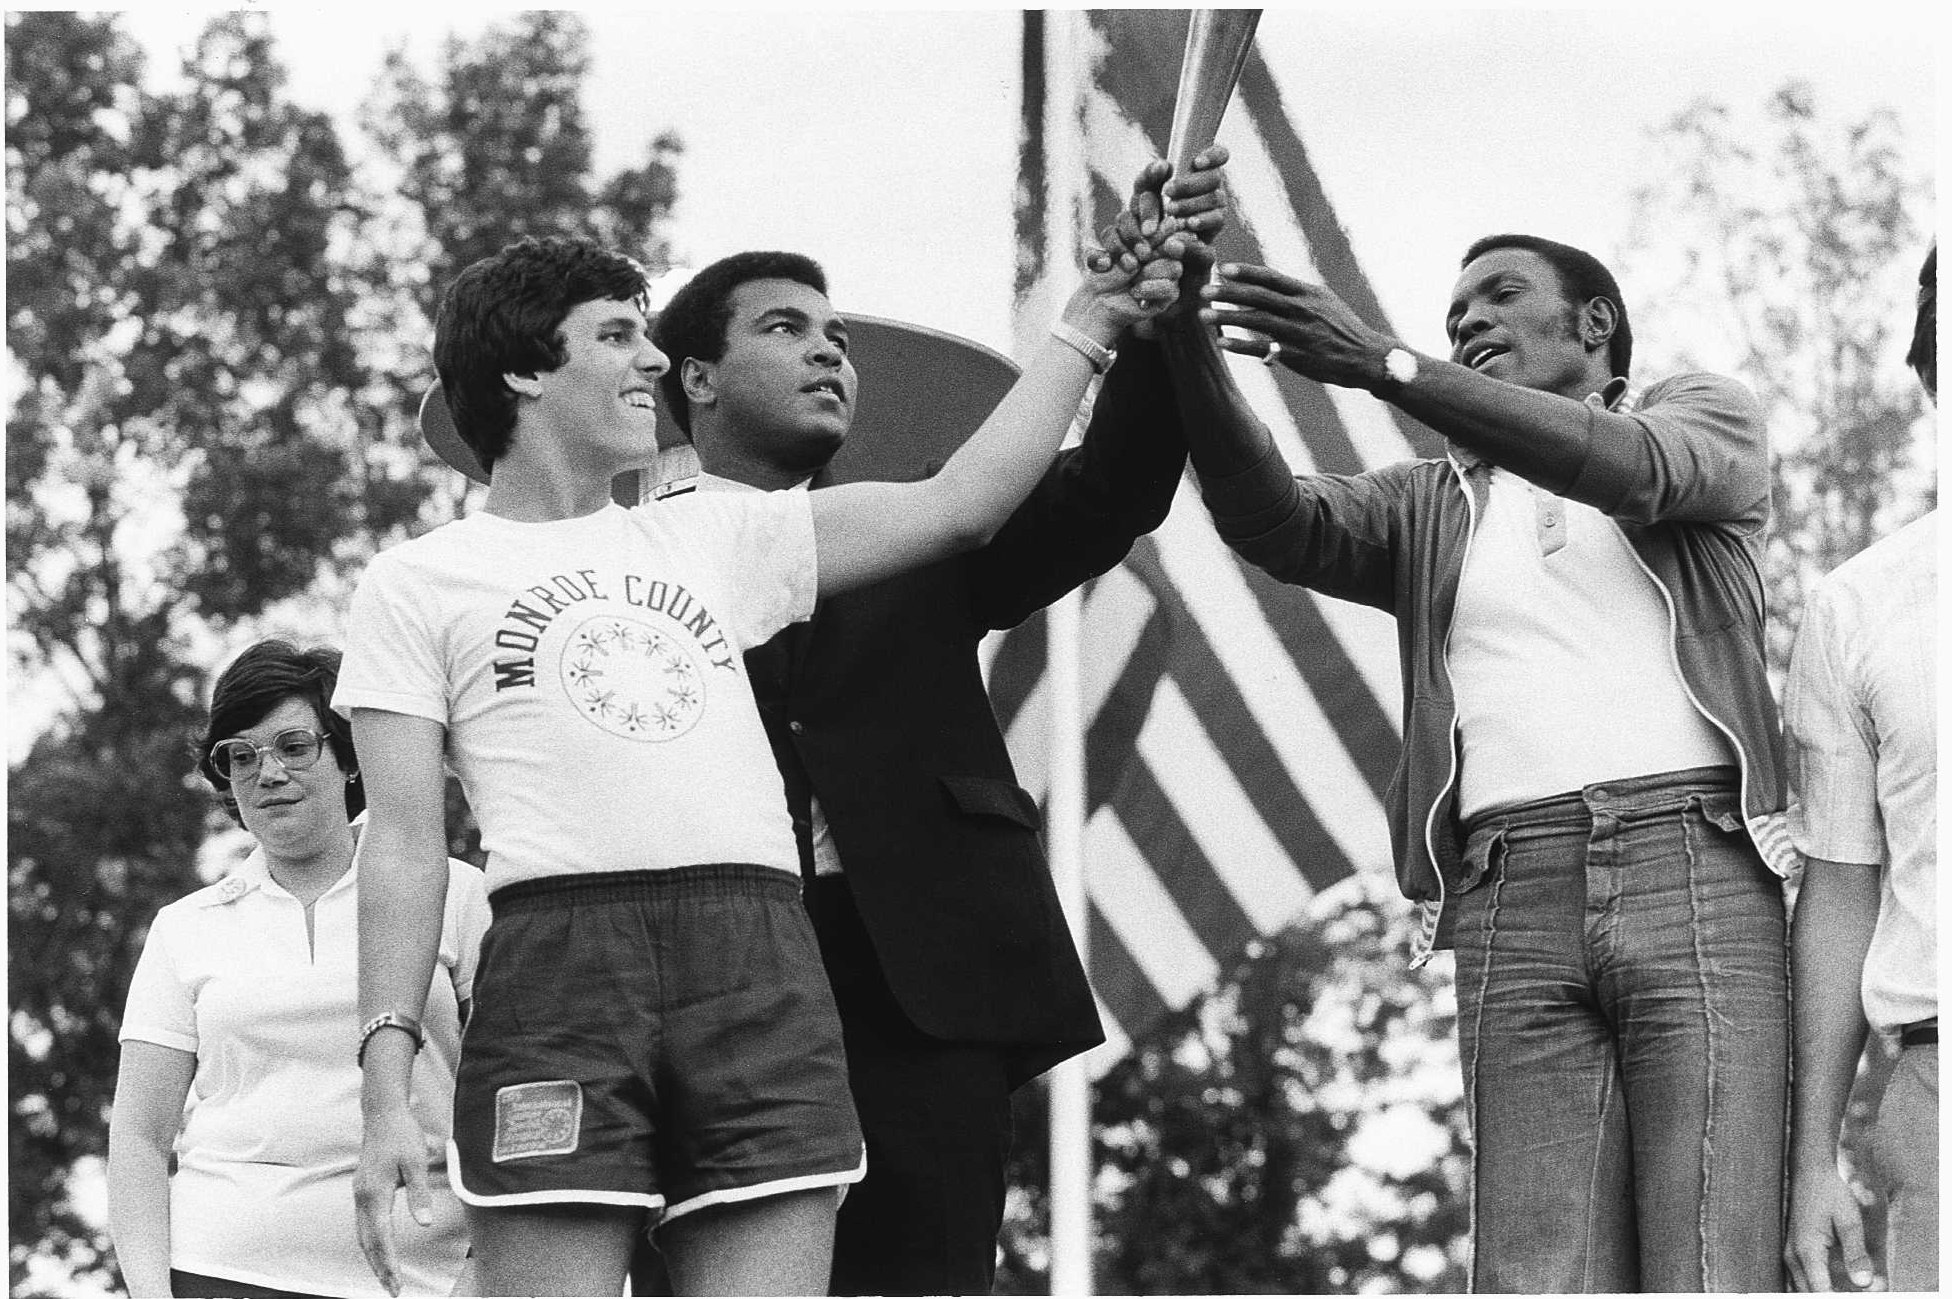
x,y
781,394
293,814
1510,318
597,407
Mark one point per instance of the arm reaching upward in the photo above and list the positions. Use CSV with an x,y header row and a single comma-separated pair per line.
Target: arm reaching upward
x,y
868,531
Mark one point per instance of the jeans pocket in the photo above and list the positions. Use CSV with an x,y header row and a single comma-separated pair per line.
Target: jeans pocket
x,y
1723,811
1484,853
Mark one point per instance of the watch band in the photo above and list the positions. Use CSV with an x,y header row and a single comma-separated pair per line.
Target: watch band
x,y
1088,347
391,1019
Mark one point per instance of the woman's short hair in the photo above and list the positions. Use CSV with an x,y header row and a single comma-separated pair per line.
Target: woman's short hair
x,y
255,683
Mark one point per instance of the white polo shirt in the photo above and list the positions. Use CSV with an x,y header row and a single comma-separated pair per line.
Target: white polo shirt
x,y
271,1128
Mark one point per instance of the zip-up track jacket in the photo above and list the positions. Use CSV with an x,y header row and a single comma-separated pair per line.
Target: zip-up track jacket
x,y
1690,491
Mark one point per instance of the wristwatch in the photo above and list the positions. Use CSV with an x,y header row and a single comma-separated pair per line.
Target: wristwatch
x,y
1399,368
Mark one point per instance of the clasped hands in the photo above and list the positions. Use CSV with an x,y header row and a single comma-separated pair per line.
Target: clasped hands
x,y
1272,316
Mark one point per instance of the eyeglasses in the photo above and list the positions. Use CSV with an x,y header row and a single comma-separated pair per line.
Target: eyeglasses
x,y
295,750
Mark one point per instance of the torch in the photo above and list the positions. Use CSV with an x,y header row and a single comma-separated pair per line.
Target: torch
x,y
1217,42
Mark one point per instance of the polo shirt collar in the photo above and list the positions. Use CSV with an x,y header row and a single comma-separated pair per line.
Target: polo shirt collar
x,y
255,873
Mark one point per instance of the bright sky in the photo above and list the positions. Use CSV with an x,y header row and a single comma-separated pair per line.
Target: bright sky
x,y
883,143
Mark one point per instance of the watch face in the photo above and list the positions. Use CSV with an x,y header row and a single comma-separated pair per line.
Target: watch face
x,y
1400,365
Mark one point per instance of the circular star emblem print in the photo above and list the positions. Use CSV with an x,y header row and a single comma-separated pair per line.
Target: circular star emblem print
x,y
633,679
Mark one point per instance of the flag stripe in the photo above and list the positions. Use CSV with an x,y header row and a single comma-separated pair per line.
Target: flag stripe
x,y
1252,760
1297,618
1233,838
1033,179
1137,905
1184,873
1274,238
1122,986
1259,659
1331,252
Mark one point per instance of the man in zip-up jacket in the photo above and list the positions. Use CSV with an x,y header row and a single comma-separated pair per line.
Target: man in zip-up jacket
x,y
1588,804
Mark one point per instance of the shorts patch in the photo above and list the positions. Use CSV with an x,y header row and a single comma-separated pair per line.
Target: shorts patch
x,y
535,1119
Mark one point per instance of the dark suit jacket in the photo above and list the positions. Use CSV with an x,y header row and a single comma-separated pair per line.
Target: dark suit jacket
x,y
880,699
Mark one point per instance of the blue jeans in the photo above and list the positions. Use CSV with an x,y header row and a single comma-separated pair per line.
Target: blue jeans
x,y
1623,1025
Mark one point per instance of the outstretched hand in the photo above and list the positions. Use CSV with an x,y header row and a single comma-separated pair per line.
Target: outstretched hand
x,y
1319,335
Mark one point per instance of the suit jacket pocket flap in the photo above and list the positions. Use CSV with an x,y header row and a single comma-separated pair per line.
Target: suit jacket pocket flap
x,y
988,796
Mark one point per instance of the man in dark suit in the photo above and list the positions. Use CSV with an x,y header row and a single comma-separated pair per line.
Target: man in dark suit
x,y
956,976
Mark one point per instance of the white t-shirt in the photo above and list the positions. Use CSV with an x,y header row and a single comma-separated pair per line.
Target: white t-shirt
x,y
590,673
1860,709
1561,655
271,1128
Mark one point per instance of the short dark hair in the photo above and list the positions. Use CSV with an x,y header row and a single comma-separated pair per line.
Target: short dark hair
x,y
256,682
1582,277
693,323
504,315
1923,356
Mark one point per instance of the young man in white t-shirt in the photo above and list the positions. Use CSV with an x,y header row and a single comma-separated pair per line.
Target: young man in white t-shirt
x,y
653,1030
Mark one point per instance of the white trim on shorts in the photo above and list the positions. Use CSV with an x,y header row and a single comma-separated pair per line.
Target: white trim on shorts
x,y
635,1199
783,1186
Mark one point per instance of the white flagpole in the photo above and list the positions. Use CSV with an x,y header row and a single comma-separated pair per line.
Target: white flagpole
x,y
1070,1082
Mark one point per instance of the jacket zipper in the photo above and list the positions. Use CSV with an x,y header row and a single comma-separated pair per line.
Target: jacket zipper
x,y
1674,661
1427,941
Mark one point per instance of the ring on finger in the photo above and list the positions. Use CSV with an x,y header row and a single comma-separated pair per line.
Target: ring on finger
x,y
1273,353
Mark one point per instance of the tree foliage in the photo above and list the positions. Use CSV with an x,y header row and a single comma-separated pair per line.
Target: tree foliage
x,y
496,146
1297,1131
217,317
1798,235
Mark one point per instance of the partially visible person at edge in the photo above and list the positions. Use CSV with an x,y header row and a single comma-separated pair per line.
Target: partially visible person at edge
x,y
654,1035
954,972
1588,803
244,1003
1861,708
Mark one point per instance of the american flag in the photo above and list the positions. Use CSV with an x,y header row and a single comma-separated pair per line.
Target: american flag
x,y
1240,733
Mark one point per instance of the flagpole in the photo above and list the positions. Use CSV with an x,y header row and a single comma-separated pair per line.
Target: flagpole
x,y
1070,1081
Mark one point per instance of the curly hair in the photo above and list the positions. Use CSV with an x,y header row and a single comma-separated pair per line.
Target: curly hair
x,y
1582,277
504,315
693,323
255,683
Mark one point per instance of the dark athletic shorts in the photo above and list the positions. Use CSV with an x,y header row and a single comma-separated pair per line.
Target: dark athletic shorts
x,y
656,1038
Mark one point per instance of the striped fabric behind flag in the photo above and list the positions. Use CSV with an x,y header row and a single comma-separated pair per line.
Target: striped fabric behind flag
x,y
1240,732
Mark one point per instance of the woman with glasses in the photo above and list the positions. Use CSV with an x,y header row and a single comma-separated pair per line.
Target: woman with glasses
x,y
243,1005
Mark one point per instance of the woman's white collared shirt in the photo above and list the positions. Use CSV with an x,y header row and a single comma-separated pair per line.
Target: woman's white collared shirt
x,y
270,1137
